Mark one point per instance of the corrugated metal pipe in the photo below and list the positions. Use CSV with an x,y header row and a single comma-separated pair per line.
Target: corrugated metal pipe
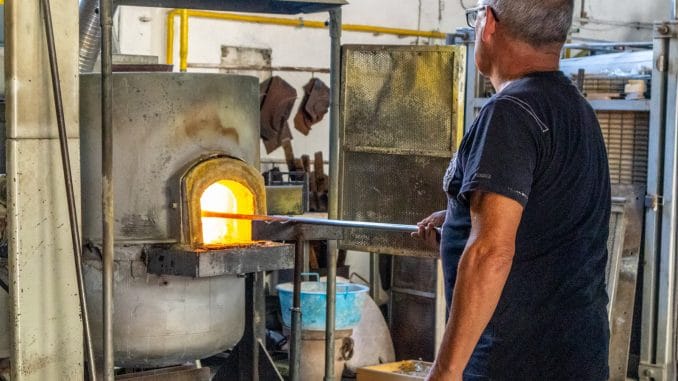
x,y
90,34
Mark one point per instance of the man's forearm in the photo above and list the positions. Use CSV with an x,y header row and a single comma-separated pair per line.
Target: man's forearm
x,y
482,274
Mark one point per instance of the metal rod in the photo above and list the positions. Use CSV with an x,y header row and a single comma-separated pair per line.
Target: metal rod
x,y
259,68
295,348
608,45
674,9
374,275
284,161
107,182
335,99
330,314
335,143
68,180
316,221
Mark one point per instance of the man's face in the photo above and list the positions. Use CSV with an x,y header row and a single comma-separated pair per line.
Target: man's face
x,y
483,49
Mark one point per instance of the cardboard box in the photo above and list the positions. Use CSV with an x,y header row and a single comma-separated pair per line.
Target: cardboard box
x,y
410,370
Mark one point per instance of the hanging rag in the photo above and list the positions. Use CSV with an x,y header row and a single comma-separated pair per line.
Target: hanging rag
x,y
277,101
313,106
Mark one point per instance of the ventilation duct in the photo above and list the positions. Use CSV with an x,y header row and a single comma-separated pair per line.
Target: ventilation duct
x,y
90,34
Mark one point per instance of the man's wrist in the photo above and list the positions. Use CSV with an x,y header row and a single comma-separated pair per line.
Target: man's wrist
x,y
450,369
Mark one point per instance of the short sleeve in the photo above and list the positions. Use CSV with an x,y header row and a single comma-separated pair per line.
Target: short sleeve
x,y
501,153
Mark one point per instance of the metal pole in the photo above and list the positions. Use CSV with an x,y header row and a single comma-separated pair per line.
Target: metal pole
x,y
374,275
335,144
674,9
652,241
335,94
330,313
107,182
666,334
68,177
295,348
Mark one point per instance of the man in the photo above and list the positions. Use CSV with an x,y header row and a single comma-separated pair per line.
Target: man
x,y
524,236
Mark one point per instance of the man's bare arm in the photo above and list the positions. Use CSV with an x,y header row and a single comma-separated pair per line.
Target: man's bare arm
x,y
483,270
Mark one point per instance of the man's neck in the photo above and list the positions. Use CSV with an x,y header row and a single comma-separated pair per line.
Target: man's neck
x,y
520,59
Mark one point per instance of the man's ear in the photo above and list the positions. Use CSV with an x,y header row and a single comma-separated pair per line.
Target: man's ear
x,y
490,25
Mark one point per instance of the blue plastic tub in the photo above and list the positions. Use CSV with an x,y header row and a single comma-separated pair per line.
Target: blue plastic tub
x,y
350,300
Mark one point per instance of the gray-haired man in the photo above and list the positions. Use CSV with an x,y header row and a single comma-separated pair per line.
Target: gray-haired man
x,y
525,233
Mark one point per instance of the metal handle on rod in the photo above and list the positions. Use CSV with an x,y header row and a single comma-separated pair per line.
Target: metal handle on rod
x,y
68,177
107,181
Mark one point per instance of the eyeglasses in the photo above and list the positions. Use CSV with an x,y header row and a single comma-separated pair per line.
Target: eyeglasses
x,y
472,14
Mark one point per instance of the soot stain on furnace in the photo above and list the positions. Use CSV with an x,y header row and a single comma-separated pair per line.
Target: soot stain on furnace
x,y
206,121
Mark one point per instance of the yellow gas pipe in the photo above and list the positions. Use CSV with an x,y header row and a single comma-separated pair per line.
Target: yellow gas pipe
x,y
293,22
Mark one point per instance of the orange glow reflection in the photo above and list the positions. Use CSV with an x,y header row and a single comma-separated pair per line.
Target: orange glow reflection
x,y
226,196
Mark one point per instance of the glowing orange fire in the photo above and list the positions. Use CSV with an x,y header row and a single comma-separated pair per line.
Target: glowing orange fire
x,y
226,196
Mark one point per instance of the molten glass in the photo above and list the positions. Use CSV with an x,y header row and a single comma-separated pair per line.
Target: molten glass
x,y
226,196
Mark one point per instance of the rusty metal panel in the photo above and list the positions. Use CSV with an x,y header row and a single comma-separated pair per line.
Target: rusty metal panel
x,y
285,199
402,119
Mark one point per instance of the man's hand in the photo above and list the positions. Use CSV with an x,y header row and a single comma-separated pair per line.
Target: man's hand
x,y
438,374
427,229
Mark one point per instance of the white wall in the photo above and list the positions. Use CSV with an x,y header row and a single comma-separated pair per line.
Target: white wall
x,y
620,20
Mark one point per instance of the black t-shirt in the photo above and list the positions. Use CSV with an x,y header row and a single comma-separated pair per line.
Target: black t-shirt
x,y
538,142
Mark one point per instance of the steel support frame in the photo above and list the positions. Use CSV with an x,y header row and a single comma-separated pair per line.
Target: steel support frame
x,y
658,351
45,328
301,234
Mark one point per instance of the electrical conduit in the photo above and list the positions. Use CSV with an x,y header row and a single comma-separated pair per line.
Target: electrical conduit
x,y
291,22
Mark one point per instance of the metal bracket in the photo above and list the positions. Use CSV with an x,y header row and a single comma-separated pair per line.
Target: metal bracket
x,y
652,372
653,201
461,36
664,29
